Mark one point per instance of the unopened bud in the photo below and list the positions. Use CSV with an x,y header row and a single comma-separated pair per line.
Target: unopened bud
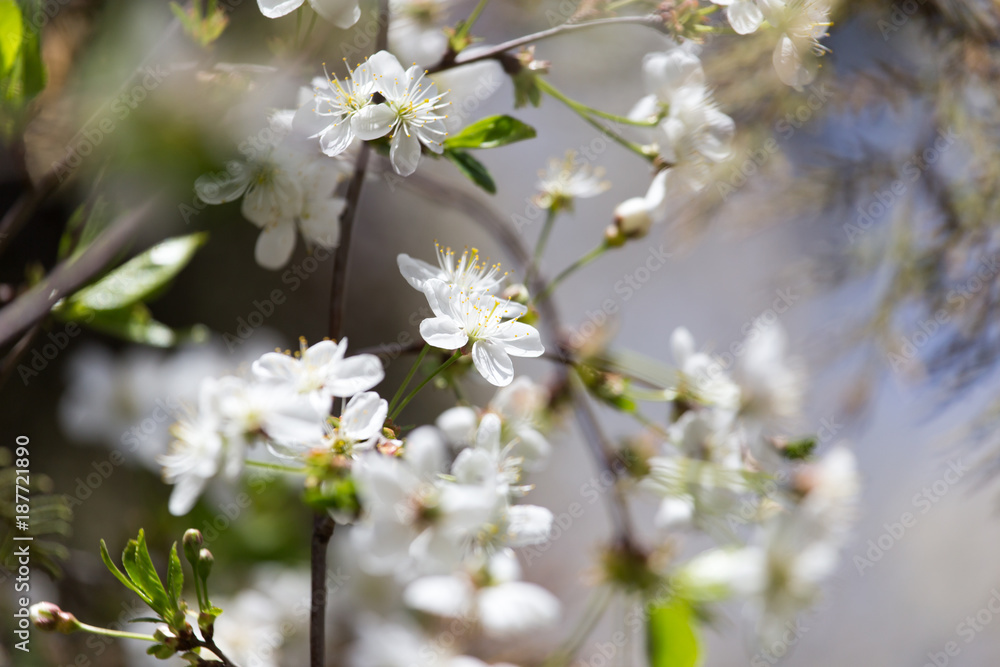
x,y
632,218
517,293
205,562
193,541
49,617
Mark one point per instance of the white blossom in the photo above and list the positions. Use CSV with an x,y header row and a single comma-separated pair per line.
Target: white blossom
x,y
342,13
489,324
468,271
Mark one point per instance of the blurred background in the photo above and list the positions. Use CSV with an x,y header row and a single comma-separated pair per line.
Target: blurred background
x,y
864,204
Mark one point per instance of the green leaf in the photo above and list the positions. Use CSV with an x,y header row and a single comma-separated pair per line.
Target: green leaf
x,y
490,133
140,277
11,35
134,324
671,640
140,569
175,577
32,68
110,564
472,168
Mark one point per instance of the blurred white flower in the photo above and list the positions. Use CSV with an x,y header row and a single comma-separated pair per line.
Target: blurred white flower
x,y
802,24
342,13
492,595
570,178
382,643
700,377
416,30
320,372
462,317
744,15
635,216
469,272
771,384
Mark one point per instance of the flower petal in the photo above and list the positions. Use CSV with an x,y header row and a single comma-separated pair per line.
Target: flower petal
x,y
341,13
354,374
416,272
448,596
224,187
516,607
273,9
520,340
275,245
443,333
364,415
337,137
373,121
492,362
404,152
745,16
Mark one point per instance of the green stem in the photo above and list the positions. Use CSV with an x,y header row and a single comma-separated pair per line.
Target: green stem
x,y
277,467
598,604
409,376
572,268
467,26
543,240
455,357
584,112
93,629
309,28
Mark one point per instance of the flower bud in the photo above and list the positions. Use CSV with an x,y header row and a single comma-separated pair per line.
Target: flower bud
x,y
517,293
205,562
633,218
49,617
193,541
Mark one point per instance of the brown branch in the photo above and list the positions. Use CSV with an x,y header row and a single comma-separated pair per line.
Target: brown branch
x,y
69,275
322,532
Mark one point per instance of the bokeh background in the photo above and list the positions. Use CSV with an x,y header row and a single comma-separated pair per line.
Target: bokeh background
x,y
797,221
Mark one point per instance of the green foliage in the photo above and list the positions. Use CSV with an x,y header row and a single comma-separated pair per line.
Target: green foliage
x,y
472,168
84,225
22,74
491,132
115,304
141,578
671,637
202,25
799,450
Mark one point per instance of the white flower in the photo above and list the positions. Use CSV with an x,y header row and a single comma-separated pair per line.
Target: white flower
x,y
665,74
463,317
282,191
572,177
771,385
490,462
343,110
342,13
195,457
360,424
492,596
802,24
388,644
414,518
699,376
470,272
744,15
321,372
413,116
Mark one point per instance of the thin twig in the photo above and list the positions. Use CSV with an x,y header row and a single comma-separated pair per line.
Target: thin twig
x,y
323,526
17,352
451,61
37,302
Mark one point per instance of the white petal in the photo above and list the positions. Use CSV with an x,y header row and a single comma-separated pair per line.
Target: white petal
x,y
185,494
533,447
273,9
307,122
675,513
224,187
275,245
320,221
788,64
448,596
373,121
492,362
521,340
528,524
390,78
354,374
443,333
276,367
474,466
341,13
488,435
458,424
337,137
745,16
646,108
516,607
364,415
425,452
404,152
415,271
